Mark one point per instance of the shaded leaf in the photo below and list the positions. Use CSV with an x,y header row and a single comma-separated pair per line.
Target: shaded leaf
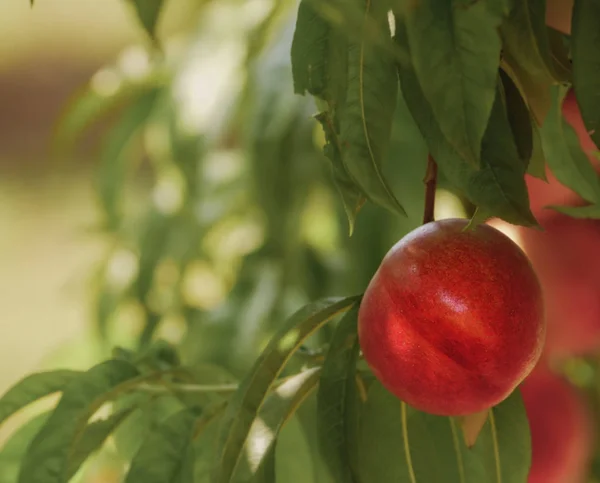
x,y
518,117
585,46
277,410
456,54
498,188
246,402
93,438
352,197
32,388
166,454
148,13
151,411
527,49
526,40
400,444
537,163
564,154
46,460
334,398
367,115
318,56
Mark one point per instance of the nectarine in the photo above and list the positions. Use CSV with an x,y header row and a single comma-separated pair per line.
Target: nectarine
x,y
452,320
566,261
560,423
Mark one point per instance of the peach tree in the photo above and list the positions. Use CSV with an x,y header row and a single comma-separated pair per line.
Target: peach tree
x,y
251,175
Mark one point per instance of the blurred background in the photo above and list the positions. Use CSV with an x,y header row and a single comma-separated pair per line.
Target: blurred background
x,y
173,192
178,193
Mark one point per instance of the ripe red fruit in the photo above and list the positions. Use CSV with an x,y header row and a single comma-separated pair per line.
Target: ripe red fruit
x,y
453,320
564,256
560,423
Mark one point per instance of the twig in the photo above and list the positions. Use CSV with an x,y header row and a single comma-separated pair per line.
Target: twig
x,y
430,181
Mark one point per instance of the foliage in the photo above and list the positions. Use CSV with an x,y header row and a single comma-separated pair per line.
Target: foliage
x,y
222,219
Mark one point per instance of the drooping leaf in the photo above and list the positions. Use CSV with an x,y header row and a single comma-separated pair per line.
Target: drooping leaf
x,y
47,458
352,197
518,117
277,410
334,398
32,388
114,158
368,112
151,411
498,187
166,455
531,56
585,211
401,444
92,439
16,445
564,154
319,56
585,46
526,40
456,54
148,13
246,402
537,163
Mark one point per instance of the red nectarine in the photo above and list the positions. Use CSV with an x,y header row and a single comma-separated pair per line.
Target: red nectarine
x,y
452,321
566,261
560,424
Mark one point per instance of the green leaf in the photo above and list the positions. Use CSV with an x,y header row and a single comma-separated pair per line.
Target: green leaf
x,y
525,39
585,46
16,445
336,391
319,56
166,455
401,444
564,154
47,458
537,163
32,388
498,188
93,438
518,117
587,211
352,197
367,115
148,13
115,155
456,54
246,402
277,410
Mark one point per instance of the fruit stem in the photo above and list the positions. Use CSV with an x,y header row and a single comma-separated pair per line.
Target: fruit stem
x,y
430,181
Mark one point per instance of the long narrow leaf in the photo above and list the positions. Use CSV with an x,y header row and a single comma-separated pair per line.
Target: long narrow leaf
x,y
32,388
166,455
586,63
368,112
92,439
456,54
278,408
333,399
246,402
47,459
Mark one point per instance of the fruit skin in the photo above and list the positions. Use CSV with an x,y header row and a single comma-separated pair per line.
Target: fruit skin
x,y
560,423
452,321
